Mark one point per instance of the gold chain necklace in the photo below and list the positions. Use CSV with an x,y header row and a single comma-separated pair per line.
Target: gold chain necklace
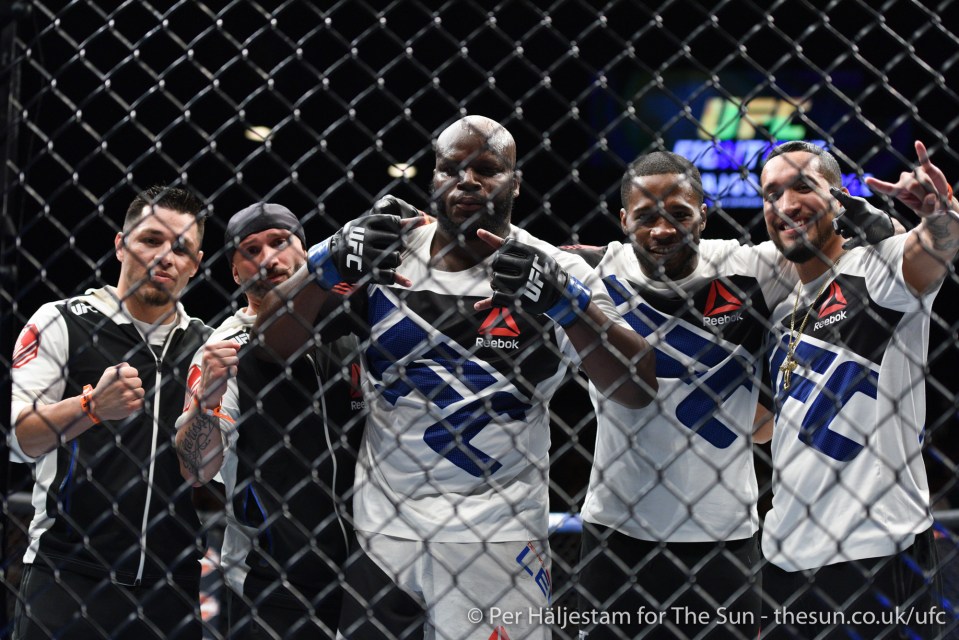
x,y
789,365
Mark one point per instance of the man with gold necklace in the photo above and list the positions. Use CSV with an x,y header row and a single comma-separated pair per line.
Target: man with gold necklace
x,y
849,536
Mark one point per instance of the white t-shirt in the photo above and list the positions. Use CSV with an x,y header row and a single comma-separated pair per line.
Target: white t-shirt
x,y
457,439
850,481
681,469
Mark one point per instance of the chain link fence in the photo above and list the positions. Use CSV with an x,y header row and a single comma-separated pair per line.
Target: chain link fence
x,y
326,107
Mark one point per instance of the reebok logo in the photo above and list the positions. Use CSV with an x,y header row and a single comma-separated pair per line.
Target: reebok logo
x,y
355,243
835,301
343,289
726,318
721,300
193,378
830,320
498,343
833,309
357,403
355,391
722,306
192,385
499,633
499,324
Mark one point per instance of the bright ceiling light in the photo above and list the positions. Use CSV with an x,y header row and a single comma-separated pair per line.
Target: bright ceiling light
x,y
257,134
401,170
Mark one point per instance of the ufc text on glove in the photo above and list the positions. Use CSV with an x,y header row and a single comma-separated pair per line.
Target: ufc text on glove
x,y
525,274
367,247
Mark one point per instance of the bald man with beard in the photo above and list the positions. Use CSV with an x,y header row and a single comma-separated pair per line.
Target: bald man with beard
x,y
468,327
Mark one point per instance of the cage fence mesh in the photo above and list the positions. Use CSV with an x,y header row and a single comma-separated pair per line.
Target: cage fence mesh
x,y
326,107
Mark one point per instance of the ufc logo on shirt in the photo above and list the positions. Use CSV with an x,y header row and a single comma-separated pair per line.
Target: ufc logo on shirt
x,y
534,286
355,243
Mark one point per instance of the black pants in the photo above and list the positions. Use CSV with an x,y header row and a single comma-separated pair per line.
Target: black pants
x,y
51,607
282,616
898,594
669,590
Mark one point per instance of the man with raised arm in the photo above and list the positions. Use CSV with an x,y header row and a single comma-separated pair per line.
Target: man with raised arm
x,y
460,362
849,537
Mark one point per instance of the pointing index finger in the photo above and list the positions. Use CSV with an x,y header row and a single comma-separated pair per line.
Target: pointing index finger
x,y
922,153
491,239
408,224
844,198
483,305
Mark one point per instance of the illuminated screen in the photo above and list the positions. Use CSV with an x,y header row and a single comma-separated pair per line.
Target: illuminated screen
x,y
727,124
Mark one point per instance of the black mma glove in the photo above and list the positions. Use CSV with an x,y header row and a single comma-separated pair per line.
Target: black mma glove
x,y
533,278
391,205
368,247
860,222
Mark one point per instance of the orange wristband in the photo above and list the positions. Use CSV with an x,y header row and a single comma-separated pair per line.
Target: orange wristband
x,y
216,412
86,404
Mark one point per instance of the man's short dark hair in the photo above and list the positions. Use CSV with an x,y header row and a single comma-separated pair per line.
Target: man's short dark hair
x,y
659,163
828,165
173,198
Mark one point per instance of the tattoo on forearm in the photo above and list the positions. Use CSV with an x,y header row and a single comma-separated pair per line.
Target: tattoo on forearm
x,y
196,441
940,233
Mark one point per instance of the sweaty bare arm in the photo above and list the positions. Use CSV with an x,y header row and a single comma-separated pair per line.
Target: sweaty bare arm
x,y
117,394
367,249
289,312
617,360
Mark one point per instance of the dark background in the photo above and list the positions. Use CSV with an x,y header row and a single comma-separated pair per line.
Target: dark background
x,y
115,100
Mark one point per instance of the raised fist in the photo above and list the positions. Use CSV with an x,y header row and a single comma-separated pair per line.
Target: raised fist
x,y
219,363
118,393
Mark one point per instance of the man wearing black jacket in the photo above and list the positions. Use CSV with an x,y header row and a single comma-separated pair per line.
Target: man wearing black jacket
x,y
283,439
97,385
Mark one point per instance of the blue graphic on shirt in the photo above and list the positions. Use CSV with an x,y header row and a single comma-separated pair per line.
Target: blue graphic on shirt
x,y
712,387
847,380
450,437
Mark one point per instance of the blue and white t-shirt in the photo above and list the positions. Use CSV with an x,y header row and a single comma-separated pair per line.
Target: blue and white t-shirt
x,y
457,439
681,469
850,481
